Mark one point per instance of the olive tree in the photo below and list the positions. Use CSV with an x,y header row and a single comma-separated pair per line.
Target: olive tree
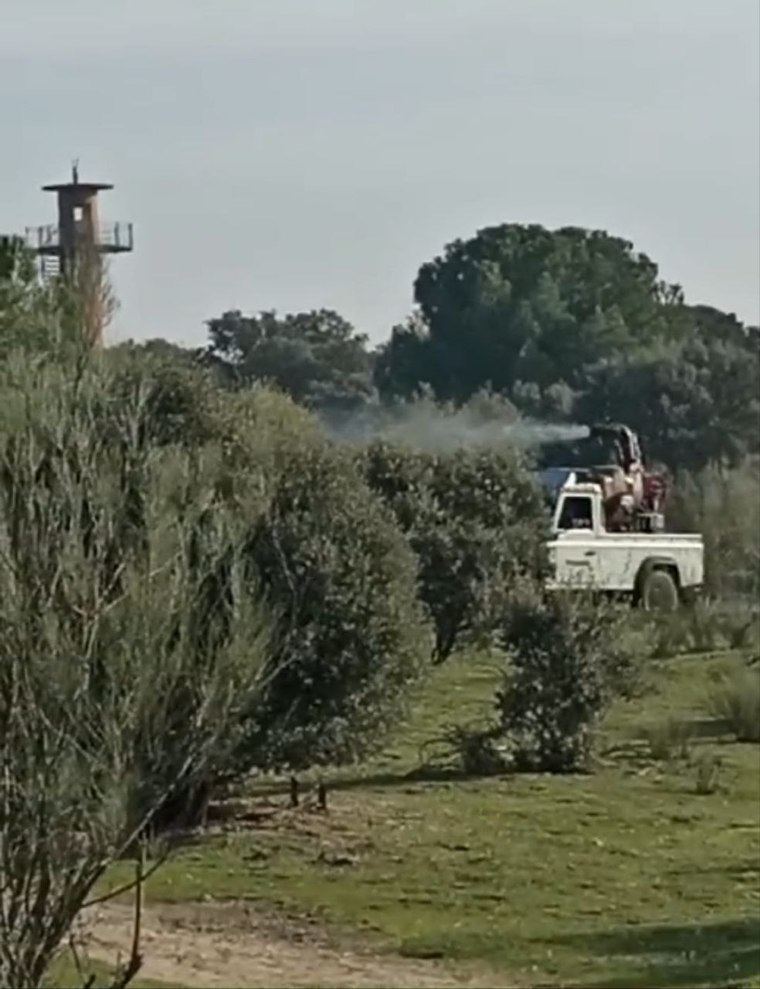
x,y
351,635
476,523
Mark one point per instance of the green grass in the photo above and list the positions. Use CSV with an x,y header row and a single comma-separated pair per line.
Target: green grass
x,y
625,877
65,975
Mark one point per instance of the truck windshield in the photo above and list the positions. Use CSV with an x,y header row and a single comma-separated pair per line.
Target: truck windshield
x,y
576,513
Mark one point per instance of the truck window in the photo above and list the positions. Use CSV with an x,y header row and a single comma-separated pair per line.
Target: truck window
x,y
576,513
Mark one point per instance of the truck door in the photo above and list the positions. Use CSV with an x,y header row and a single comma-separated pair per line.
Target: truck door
x,y
576,545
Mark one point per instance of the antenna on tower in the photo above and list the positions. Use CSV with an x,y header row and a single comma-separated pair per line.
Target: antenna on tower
x,y
75,171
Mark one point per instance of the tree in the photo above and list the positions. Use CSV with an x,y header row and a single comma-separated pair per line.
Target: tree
x,y
123,674
351,635
161,350
676,396
713,324
476,523
316,357
522,303
411,361
574,325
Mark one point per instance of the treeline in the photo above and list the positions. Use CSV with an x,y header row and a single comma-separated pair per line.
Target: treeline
x,y
569,325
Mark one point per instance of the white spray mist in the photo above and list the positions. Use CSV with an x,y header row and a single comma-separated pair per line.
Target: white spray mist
x,y
424,425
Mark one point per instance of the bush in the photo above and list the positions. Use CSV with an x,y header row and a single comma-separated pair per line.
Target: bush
x,y
476,523
351,632
735,700
668,634
705,626
178,400
336,571
123,676
724,505
181,403
669,738
567,663
477,751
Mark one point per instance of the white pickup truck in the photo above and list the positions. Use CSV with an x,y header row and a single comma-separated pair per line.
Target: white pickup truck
x,y
658,570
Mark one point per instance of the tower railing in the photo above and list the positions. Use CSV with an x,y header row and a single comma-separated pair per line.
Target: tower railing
x,y
110,237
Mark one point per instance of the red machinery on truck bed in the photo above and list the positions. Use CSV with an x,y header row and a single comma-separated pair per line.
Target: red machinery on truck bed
x,y
610,456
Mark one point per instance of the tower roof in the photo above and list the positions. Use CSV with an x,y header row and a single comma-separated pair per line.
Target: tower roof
x,y
75,183
88,186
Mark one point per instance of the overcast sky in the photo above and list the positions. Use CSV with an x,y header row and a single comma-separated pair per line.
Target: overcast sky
x,y
293,154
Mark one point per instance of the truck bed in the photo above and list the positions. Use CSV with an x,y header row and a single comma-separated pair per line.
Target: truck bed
x,y
613,560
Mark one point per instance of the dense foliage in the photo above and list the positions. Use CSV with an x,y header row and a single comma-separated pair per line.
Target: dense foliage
x,y
316,357
337,575
574,325
567,662
27,318
676,396
724,505
351,635
122,680
475,521
196,582
519,303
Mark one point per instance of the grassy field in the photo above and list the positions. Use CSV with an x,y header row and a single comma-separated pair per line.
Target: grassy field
x,y
626,877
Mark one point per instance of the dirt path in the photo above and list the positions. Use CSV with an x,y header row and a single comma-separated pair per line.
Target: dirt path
x,y
233,945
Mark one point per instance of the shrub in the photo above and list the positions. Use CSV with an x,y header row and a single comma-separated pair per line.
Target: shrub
x,y
668,738
351,632
260,426
740,626
567,663
724,505
122,675
476,523
181,403
669,634
336,571
178,400
704,626
735,700
708,774
477,751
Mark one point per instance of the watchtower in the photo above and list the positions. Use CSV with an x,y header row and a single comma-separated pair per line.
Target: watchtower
x,y
79,238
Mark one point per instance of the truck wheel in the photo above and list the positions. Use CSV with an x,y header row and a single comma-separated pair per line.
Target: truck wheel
x,y
659,592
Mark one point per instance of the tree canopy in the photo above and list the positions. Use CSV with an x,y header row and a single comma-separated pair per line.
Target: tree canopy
x,y
575,325
522,303
316,357
677,396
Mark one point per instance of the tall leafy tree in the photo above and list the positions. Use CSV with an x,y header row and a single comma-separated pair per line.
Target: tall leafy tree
x,y
696,402
522,303
316,357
